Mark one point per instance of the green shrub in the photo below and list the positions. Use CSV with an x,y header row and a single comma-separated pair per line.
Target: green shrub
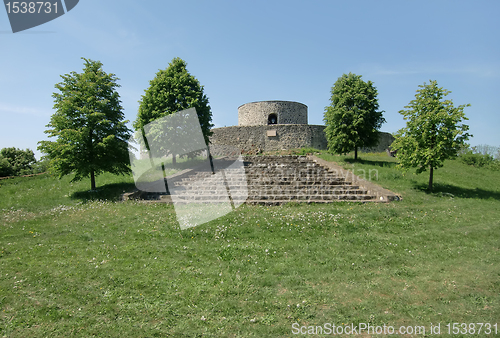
x,y
5,167
494,165
21,161
476,160
41,166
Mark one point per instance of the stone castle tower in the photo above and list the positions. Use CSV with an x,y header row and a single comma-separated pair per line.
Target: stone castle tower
x,y
276,125
272,112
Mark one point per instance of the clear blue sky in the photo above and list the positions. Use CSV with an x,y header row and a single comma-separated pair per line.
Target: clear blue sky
x,y
244,51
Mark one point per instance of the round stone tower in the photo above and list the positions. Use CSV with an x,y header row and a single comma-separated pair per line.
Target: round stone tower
x,y
264,113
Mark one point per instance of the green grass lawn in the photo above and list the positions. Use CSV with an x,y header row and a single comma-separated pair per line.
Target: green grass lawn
x,y
80,264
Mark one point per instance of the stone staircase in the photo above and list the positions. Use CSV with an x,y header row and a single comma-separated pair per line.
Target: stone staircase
x,y
269,180
281,179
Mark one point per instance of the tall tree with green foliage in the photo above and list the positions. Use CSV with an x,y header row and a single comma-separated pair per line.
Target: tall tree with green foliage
x,y
434,131
89,125
172,90
352,119
16,161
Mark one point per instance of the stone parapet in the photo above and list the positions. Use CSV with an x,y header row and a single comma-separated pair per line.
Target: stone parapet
x,y
279,137
258,138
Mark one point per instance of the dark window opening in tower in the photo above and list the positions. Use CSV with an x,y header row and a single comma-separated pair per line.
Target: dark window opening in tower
x,y
272,119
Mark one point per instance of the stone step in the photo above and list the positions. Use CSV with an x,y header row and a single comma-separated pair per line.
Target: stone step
x,y
272,171
282,165
258,175
269,195
265,173
311,198
306,189
289,185
280,202
276,159
292,177
263,181
252,192
273,198
282,168
285,185
278,175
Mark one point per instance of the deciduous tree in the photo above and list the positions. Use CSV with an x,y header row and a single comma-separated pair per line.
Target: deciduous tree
x,y
174,89
352,120
434,131
89,125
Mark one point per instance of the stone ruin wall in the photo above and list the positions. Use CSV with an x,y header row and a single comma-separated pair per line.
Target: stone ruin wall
x,y
257,113
254,139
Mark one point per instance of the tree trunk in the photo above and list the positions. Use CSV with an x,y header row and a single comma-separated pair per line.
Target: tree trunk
x,y
211,160
430,178
355,153
91,160
165,178
433,143
92,180
146,144
174,161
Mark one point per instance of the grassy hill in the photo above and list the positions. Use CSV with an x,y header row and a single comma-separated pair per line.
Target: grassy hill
x,y
81,264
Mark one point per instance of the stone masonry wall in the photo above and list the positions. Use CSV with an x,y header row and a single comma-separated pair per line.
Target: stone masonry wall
x,y
257,113
384,141
291,136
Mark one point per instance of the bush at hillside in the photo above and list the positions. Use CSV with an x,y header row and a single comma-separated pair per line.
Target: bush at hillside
x,y
41,166
478,160
5,167
14,162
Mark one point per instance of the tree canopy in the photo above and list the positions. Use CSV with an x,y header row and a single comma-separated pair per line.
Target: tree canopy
x,y
89,125
434,131
15,161
352,120
174,89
